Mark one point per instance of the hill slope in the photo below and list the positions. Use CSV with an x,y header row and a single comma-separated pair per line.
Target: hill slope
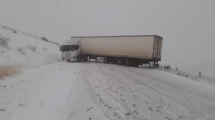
x,y
17,47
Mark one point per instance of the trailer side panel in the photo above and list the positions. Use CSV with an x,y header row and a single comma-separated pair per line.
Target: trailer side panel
x,y
134,47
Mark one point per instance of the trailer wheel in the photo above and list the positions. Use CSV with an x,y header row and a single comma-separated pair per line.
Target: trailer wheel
x,y
108,60
120,61
113,60
105,59
128,62
78,59
136,65
85,58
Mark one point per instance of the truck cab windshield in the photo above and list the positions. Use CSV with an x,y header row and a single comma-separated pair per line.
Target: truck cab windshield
x,y
69,47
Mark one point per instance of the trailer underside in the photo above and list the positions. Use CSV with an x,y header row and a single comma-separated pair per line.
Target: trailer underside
x,y
127,61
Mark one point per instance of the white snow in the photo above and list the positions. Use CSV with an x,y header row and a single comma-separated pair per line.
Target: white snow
x,y
72,91
53,90
45,52
114,92
200,80
23,95
37,93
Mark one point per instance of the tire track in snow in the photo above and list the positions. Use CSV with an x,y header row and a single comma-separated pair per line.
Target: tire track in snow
x,y
131,112
176,92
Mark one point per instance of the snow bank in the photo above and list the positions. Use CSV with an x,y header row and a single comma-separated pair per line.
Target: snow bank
x,y
37,93
26,49
202,79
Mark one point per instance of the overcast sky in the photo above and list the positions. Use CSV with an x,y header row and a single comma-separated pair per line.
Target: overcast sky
x,y
187,26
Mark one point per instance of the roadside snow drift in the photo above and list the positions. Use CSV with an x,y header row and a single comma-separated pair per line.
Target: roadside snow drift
x,y
36,93
19,48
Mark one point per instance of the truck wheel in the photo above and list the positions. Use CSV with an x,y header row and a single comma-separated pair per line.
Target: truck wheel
x,y
156,64
105,60
78,59
85,60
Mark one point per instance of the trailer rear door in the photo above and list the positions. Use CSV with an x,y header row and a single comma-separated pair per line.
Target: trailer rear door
x,y
157,47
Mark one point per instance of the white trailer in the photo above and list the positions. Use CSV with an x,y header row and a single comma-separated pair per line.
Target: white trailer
x,y
124,50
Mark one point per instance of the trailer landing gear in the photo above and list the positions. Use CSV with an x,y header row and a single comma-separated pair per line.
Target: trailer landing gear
x,y
156,65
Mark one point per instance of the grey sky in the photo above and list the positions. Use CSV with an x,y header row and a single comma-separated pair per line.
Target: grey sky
x,y
187,26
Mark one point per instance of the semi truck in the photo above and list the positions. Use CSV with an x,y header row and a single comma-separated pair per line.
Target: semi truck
x,y
130,50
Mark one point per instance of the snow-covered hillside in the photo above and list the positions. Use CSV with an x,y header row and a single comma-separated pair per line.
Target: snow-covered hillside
x,y
26,49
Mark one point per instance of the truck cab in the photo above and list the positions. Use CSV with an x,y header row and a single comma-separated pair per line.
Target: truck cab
x,y
70,51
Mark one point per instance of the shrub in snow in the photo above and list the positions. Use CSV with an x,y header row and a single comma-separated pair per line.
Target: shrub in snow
x,y
21,50
45,49
2,52
2,109
44,39
8,70
4,41
55,43
33,48
167,67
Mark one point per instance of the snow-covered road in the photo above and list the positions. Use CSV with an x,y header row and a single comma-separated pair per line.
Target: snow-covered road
x,y
103,92
96,91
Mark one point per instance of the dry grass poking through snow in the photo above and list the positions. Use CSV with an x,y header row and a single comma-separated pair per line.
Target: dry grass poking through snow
x,y
8,70
4,41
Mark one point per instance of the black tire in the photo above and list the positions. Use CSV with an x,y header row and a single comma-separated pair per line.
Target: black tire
x,y
85,60
156,65
105,60
128,62
108,60
120,61
78,59
113,60
135,65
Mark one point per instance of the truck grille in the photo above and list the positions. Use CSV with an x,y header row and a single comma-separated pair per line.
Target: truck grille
x,y
68,55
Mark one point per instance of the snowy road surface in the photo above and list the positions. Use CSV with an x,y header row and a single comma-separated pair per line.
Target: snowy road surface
x,y
103,92
95,91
